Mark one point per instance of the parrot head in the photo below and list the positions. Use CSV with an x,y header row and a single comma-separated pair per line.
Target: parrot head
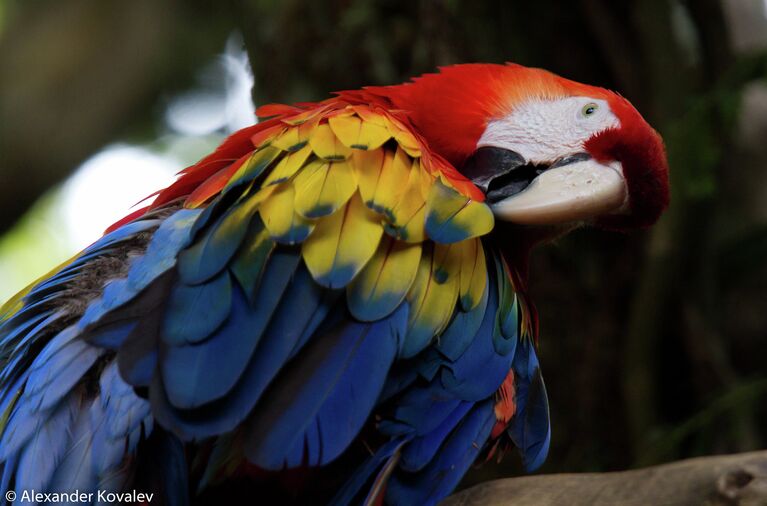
x,y
544,150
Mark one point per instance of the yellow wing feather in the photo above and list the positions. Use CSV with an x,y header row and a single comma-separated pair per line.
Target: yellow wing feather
x,y
371,214
341,245
323,187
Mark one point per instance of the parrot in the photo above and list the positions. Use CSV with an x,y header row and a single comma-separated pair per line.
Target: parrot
x,y
330,308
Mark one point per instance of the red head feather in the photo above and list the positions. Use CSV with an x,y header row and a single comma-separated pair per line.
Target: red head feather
x,y
452,109
640,150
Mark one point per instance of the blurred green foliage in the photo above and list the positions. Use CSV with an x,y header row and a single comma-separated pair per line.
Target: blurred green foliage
x,y
32,247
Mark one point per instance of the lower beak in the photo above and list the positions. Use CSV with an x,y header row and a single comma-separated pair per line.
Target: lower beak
x,y
577,191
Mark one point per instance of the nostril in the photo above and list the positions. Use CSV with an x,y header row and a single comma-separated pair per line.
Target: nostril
x,y
567,160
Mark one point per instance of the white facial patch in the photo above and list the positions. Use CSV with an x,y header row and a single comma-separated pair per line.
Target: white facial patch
x,y
543,131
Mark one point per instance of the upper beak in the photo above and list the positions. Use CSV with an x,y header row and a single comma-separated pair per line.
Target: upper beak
x,y
574,188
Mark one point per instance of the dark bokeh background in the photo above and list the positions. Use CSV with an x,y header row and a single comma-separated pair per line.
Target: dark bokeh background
x,y
653,344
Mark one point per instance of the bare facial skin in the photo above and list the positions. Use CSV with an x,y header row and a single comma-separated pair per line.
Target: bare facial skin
x,y
543,132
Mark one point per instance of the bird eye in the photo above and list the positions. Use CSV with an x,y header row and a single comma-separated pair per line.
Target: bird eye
x,y
589,109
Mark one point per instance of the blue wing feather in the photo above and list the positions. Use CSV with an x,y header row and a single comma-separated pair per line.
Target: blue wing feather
x,y
210,254
530,429
200,373
46,448
328,368
226,332
74,472
285,332
195,312
436,480
422,449
479,371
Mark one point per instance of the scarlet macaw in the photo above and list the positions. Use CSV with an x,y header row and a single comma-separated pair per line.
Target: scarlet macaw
x,y
325,306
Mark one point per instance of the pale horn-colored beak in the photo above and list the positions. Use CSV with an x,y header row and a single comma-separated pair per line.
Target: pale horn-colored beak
x,y
577,191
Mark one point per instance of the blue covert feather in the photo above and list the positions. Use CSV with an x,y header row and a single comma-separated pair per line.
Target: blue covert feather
x,y
462,330
351,361
160,255
200,373
112,336
284,335
173,235
219,345
195,312
249,264
209,254
480,370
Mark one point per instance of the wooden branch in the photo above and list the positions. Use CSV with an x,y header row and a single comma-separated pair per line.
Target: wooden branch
x,y
739,479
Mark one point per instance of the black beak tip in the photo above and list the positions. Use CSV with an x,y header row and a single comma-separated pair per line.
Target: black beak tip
x,y
489,162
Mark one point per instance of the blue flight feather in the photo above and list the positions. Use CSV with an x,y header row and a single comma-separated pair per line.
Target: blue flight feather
x,y
75,471
422,449
18,338
43,452
54,373
123,409
9,468
117,420
530,428
439,478
400,377
353,486
347,407
28,311
99,248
